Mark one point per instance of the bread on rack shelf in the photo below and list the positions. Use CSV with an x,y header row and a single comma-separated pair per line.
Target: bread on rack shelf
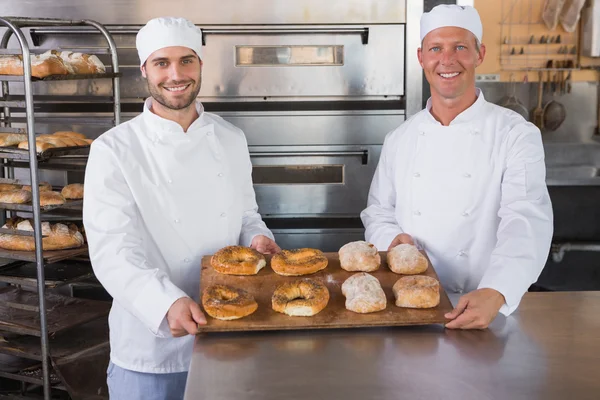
x,y
15,196
9,187
73,191
11,139
58,236
58,139
80,63
44,187
53,62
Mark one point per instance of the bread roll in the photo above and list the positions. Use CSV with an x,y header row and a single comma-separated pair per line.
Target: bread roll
x,y
44,187
406,259
58,236
15,197
51,199
11,139
363,294
73,191
417,291
42,65
359,256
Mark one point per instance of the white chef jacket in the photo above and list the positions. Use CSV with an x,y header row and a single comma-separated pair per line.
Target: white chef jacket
x,y
156,200
473,194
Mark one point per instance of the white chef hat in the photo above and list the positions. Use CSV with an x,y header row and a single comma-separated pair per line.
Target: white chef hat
x,y
465,17
164,32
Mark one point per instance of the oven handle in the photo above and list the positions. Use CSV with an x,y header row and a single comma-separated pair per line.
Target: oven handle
x,y
363,154
363,32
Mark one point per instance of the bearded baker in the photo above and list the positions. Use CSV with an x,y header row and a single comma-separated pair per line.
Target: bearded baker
x,y
465,179
161,191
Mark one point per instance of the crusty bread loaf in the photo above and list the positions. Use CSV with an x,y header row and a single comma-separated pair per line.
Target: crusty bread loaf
x,y
11,139
51,199
53,62
15,197
44,187
363,293
42,65
58,139
9,187
58,236
79,63
73,191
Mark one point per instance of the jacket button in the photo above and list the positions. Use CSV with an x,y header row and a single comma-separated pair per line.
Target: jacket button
x,y
422,133
465,214
417,213
170,181
220,175
223,214
416,175
467,175
462,253
187,260
176,221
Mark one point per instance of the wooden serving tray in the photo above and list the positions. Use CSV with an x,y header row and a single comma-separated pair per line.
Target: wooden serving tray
x,y
335,315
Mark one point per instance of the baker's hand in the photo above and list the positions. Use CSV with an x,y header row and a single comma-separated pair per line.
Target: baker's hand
x,y
184,316
264,245
403,238
475,310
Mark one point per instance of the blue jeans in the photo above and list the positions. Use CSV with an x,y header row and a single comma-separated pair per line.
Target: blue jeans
x,y
124,384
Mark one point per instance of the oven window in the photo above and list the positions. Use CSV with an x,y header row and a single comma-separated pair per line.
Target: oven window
x,y
297,174
268,56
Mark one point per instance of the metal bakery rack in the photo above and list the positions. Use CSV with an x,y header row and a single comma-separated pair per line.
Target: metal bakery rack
x,y
59,334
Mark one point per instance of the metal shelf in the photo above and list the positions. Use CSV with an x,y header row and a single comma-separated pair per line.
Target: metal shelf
x,y
42,313
56,274
69,77
28,207
49,256
87,336
19,310
14,153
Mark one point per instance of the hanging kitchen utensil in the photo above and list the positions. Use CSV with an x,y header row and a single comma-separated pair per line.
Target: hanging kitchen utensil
x,y
537,115
554,111
513,103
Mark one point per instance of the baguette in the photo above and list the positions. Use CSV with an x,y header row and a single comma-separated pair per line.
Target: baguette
x,y
58,236
15,197
73,191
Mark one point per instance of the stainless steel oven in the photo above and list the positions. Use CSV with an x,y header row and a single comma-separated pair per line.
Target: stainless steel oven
x,y
315,86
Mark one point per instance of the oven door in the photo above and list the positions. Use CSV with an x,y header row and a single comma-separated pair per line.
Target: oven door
x,y
305,61
307,181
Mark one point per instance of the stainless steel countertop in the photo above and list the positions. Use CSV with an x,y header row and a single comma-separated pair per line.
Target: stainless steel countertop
x,y
548,349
